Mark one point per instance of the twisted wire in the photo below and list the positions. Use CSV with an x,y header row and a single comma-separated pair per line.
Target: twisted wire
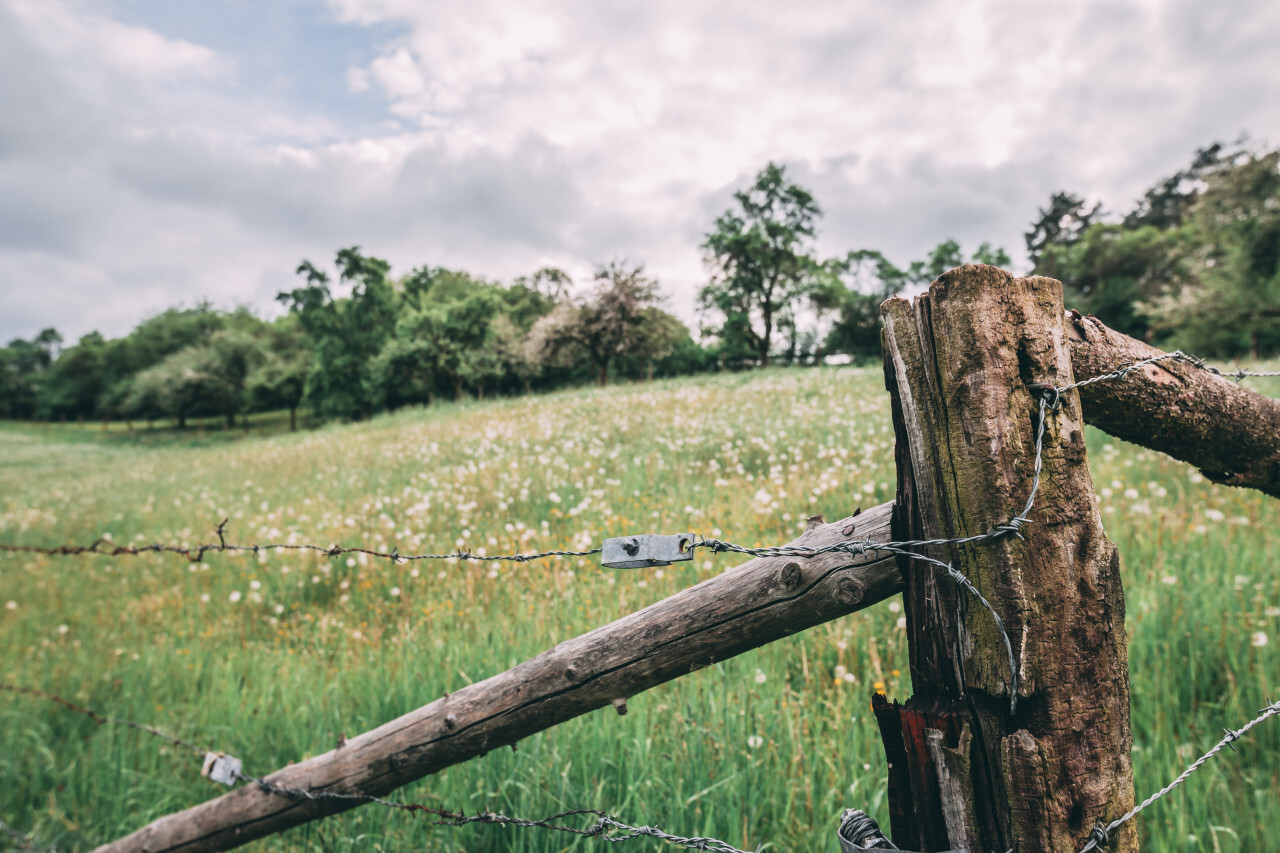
x,y
1099,836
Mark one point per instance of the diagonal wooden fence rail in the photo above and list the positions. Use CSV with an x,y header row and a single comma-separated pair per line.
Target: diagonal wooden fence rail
x,y
964,770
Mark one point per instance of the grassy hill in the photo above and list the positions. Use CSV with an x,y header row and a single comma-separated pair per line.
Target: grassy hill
x,y
273,657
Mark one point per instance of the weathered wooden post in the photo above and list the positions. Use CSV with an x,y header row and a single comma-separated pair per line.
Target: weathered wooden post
x,y
965,772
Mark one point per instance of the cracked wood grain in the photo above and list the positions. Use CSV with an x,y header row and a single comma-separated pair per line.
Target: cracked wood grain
x,y
957,363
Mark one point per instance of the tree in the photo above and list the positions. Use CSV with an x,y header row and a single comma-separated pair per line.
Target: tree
x,y
760,259
346,333
1062,223
611,323
23,365
996,257
551,282
1166,204
280,378
1110,270
1228,300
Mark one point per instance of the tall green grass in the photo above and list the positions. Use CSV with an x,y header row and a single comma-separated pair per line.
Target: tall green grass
x,y
273,658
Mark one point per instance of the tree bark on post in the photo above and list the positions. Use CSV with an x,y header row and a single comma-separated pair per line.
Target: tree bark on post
x,y
965,772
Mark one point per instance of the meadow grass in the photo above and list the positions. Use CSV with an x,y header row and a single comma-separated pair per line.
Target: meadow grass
x,y
272,658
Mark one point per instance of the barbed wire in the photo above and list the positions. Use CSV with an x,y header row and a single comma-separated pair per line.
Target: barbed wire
x,y
1099,837
195,553
102,719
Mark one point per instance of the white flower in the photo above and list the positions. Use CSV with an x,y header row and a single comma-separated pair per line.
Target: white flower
x,y
1258,639
1270,611
279,609
895,607
205,598
395,591
761,678
1168,580
755,741
62,629
255,585
11,605
234,596
1215,515
554,498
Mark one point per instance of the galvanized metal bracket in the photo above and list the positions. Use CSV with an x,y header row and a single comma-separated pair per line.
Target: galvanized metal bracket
x,y
646,550
221,768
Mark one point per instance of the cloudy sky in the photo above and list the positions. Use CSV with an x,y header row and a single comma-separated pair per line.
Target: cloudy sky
x,y
153,153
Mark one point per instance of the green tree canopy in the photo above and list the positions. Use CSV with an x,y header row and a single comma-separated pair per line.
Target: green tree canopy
x,y
761,259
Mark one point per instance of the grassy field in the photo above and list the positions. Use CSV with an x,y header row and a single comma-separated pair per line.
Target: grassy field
x,y
271,658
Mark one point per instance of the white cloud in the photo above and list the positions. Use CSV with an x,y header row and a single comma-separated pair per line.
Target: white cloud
x,y
93,41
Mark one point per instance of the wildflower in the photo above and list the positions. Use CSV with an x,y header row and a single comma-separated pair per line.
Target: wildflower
x,y
1215,515
395,592
234,596
902,622
1168,580
279,609
878,687
755,741
255,585
1270,611
11,605
761,678
895,607
1258,639
62,629
204,599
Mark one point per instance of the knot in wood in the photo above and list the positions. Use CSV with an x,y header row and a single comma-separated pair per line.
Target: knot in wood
x,y
789,576
849,592
450,722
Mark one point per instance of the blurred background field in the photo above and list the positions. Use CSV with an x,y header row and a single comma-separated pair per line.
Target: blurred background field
x,y
272,658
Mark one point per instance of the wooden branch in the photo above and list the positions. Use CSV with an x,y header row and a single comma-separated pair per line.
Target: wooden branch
x,y
1226,430
761,601
965,772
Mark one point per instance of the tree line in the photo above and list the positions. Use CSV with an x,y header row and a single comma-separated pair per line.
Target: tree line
x,y
1195,263
355,341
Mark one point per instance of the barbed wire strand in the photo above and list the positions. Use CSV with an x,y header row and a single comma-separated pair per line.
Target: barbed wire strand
x,y
1099,837
102,719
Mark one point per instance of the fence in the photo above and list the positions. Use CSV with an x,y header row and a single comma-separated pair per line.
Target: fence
x,y
994,508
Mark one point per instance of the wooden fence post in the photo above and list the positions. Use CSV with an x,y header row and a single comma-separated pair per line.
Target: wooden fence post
x,y
964,771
